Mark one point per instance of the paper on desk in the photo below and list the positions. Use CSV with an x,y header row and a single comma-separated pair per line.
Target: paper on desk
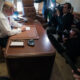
x,y
16,43
27,28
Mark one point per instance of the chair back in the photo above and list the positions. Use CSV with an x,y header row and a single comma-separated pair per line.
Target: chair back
x,y
30,12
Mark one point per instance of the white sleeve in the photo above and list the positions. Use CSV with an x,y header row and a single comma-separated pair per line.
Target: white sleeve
x,y
14,31
14,23
6,28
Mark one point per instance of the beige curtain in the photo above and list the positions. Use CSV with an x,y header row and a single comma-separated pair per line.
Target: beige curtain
x,y
1,4
15,3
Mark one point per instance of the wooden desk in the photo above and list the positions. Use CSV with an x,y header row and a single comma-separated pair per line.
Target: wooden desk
x,y
31,63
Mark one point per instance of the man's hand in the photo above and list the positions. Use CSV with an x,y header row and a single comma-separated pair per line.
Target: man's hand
x,y
75,75
23,28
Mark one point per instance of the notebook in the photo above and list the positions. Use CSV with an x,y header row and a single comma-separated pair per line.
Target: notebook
x,y
17,43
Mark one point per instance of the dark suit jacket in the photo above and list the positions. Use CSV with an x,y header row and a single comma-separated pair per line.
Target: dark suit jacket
x,y
65,21
73,48
60,23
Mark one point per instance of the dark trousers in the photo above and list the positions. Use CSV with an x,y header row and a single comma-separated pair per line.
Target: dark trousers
x,y
3,41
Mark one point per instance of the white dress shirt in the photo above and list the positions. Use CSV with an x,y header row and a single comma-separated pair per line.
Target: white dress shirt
x,y
5,26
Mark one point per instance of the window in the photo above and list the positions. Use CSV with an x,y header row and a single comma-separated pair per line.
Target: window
x,y
36,5
18,5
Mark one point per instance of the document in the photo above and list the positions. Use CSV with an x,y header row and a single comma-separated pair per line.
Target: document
x,y
27,28
17,43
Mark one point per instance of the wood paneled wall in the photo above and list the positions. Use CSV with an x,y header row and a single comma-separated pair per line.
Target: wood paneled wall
x,y
29,8
28,3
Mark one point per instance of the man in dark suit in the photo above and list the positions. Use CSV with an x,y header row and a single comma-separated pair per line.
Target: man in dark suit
x,y
65,21
61,22
72,44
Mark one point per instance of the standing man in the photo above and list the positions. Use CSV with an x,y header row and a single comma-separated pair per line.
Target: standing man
x,y
7,24
77,77
45,9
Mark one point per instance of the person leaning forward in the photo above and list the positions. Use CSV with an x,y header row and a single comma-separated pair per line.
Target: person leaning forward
x,y
7,24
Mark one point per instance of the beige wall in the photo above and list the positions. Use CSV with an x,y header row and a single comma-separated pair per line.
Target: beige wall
x,y
1,4
75,4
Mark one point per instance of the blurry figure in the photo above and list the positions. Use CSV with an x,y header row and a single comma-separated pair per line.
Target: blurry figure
x,y
1,4
77,77
72,44
61,20
8,26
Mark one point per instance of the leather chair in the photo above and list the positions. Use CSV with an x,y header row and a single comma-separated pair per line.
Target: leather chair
x,y
30,12
28,3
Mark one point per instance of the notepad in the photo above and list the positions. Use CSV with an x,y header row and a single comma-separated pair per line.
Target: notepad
x,y
17,43
27,28
28,34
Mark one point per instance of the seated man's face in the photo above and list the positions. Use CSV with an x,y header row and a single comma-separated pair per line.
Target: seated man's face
x,y
72,33
10,11
65,9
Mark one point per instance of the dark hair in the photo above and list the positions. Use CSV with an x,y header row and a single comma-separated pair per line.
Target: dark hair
x,y
69,5
77,31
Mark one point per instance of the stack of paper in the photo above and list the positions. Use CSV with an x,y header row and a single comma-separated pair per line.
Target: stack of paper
x,y
17,43
27,28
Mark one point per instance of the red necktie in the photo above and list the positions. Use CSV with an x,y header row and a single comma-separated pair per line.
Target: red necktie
x,y
9,19
9,22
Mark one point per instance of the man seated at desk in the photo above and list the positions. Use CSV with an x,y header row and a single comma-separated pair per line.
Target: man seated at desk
x,y
7,24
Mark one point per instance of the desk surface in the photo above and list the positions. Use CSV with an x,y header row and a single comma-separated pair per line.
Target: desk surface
x,y
42,45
